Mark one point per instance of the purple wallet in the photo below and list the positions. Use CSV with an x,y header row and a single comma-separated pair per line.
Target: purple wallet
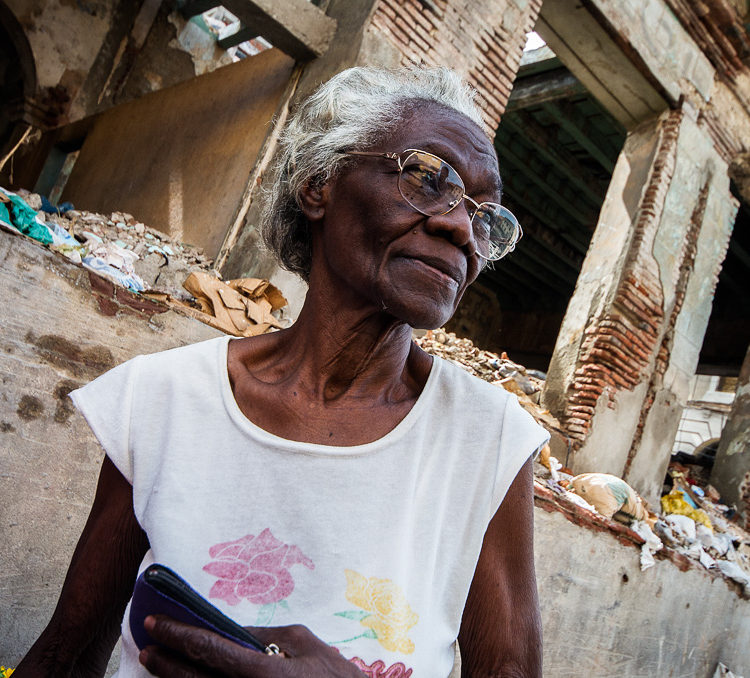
x,y
158,590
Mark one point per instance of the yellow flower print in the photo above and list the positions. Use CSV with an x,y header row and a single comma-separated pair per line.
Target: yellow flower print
x,y
390,618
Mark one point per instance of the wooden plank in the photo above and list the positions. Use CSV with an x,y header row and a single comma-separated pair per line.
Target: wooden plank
x,y
545,87
297,27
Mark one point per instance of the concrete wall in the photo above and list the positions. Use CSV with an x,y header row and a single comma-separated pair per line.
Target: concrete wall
x,y
62,326
180,159
603,617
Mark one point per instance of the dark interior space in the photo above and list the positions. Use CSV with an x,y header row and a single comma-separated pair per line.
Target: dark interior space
x,y
728,332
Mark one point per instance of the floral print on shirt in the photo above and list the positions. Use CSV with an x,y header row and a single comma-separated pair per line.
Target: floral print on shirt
x,y
384,611
378,669
254,568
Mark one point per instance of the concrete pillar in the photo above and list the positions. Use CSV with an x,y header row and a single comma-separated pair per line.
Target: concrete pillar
x,y
731,472
631,336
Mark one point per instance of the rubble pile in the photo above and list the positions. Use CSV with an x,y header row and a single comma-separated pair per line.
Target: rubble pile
x,y
146,261
159,262
496,369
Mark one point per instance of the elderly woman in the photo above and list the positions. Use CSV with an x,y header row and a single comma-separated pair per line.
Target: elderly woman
x,y
359,503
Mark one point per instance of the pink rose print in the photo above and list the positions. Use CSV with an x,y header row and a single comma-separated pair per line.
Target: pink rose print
x,y
254,568
378,670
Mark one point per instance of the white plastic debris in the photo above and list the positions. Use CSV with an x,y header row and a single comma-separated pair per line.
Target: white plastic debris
x,y
683,525
734,571
651,545
580,501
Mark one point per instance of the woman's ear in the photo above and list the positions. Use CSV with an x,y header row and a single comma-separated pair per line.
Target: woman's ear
x,y
313,200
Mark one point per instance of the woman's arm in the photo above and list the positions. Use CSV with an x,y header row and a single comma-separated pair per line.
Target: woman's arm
x,y
501,630
85,625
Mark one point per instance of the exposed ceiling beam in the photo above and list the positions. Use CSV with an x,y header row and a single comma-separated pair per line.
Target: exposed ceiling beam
x,y
534,279
545,142
560,224
581,130
535,90
236,38
548,239
552,186
542,258
297,27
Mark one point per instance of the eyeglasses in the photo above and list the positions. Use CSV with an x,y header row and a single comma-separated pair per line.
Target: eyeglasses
x,y
432,187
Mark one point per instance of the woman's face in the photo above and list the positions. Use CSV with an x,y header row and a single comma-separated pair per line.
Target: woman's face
x,y
384,252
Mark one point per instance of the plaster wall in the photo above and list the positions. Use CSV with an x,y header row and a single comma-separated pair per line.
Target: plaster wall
x,y
192,184
602,616
62,327
602,267
704,417
657,36
65,37
631,337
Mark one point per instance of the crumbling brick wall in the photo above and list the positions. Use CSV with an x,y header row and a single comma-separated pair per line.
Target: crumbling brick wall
x,y
482,40
618,347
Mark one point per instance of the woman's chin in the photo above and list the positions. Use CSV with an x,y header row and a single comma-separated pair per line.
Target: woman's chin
x,y
423,317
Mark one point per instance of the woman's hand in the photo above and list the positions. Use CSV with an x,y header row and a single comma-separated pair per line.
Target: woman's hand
x,y
196,652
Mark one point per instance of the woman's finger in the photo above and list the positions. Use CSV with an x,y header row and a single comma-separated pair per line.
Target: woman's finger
x,y
203,648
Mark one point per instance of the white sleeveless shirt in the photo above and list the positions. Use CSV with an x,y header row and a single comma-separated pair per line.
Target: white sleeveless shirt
x,y
373,547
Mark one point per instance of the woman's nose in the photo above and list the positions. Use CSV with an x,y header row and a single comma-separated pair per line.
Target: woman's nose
x,y
454,225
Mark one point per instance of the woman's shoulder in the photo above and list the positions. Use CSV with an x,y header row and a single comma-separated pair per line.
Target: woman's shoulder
x,y
457,380
184,359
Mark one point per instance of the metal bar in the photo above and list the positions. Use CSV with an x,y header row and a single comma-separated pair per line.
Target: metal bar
x,y
239,36
191,8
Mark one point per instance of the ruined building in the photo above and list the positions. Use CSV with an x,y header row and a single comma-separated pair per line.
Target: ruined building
x,y
624,144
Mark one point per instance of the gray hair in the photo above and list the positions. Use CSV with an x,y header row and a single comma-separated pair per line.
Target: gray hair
x,y
354,109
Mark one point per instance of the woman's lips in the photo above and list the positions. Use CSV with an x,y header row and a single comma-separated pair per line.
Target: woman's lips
x,y
440,270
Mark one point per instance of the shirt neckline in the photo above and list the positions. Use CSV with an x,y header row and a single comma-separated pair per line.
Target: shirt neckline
x,y
318,449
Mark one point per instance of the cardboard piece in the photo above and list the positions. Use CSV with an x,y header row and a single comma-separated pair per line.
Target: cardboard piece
x,y
241,307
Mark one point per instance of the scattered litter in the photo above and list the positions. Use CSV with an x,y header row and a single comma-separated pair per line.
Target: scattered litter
x,y
16,214
145,260
734,571
242,307
651,545
496,369
675,503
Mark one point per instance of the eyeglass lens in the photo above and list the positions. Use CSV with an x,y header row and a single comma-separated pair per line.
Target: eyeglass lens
x,y
431,186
